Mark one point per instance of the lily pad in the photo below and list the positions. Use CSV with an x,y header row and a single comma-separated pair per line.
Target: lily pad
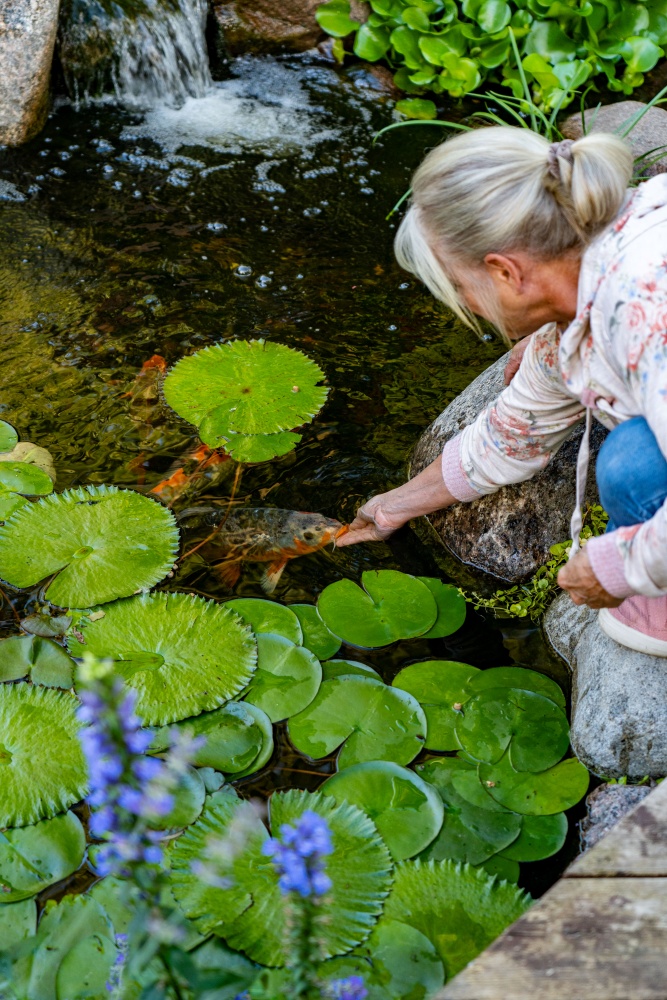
x,y
18,922
316,636
45,661
391,606
102,543
266,752
441,687
451,605
182,654
518,677
8,436
534,729
287,677
503,868
366,718
247,447
34,857
189,796
551,791
10,503
42,766
233,737
339,668
459,909
406,810
246,387
267,616
540,837
86,969
21,477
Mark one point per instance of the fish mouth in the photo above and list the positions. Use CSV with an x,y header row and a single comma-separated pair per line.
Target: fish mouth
x,y
343,530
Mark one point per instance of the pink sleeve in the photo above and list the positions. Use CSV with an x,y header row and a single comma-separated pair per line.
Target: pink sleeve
x,y
453,474
607,564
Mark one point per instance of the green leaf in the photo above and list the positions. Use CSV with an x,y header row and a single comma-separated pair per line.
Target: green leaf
x,y
406,42
391,606
316,636
440,687
246,387
339,668
450,604
189,796
459,76
641,54
370,720
419,109
406,810
502,868
491,15
434,48
21,477
535,730
182,654
8,436
18,921
264,755
267,616
102,543
42,766
248,447
416,19
34,857
548,39
233,737
540,69
86,969
540,837
287,677
45,661
334,18
371,43
518,677
551,791
9,503
459,909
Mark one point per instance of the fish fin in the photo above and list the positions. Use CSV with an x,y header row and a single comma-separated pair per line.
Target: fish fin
x,y
228,572
272,574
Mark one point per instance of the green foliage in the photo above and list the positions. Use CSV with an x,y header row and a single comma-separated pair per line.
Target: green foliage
x,y
18,480
8,437
287,677
334,668
316,636
234,738
438,686
267,616
18,921
452,46
43,659
34,857
451,608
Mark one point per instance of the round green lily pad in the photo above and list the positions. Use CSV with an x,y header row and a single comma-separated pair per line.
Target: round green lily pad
x,y
540,837
188,796
10,503
45,661
316,636
467,784
22,477
8,437
246,387
534,729
503,868
518,677
266,752
182,654
551,791
287,677
338,668
451,605
102,543
441,687
18,921
407,812
366,718
267,616
34,857
247,447
86,969
233,737
42,765
391,606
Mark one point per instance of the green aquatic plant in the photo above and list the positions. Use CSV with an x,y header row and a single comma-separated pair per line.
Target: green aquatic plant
x,y
19,480
44,660
319,639
8,436
234,737
34,857
287,677
267,616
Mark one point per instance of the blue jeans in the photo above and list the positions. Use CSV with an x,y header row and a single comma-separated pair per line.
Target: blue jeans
x,y
631,472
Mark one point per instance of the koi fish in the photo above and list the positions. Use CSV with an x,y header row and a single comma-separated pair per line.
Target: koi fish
x,y
186,479
257,534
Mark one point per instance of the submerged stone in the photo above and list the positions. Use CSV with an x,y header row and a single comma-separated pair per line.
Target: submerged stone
x,y
27,39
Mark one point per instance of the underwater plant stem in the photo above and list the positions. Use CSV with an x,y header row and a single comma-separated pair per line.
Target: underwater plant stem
x,y
173,982
303,951
11,607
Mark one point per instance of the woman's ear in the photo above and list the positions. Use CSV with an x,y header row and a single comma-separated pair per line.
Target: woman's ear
x,y
505,271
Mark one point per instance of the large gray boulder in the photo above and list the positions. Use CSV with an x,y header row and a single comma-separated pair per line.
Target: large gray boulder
x,y
27,37
648,135
619,697
506,534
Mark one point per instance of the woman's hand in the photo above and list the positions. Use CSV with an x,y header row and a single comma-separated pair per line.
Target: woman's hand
x,y
371,524
578,578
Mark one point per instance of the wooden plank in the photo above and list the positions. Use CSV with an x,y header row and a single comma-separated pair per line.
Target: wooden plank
x,y
586,938
635,846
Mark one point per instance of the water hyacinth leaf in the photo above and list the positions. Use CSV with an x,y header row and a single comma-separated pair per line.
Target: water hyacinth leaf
x,y
266,752
188,802
334,18
316,636
339,668
503,868
540,837
518,677
182,654
441,687
370,720
287,677
18,921
233,737
267,616
417,108
391,606
459,909
102,542
34,857
535,730
42,766
46,662
451,605
247,447
10,503
407,812
371,43
8,436
21,477
551,791
246,387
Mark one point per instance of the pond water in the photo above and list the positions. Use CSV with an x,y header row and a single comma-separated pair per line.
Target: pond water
x,y
257,210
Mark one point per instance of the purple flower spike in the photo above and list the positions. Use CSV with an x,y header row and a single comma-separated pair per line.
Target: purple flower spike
x,y
299,856
351,988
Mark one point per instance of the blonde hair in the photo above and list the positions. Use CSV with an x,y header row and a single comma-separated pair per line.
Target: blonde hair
x,y
503,189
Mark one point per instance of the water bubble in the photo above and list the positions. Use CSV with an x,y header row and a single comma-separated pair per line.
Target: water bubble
x,y
57,172
102,146
65,155
309,212
137,194
108,169
48,140
215,227
299,277
40,177
44,152
75,145
366,190
263,229
34,188
283,288
263,281
403,285
392,327
243,271
117,185
179,177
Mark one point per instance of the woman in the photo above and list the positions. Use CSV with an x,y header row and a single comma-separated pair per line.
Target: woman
x,y
538,236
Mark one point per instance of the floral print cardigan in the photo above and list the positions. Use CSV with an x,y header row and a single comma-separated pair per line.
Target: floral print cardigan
x,y
612,360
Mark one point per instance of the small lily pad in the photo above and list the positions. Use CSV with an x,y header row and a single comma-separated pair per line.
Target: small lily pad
x,y
266,752
366,718
316,636
233,737
503,868
267,616
18,922
338,668
540,837
406,810
287,677
44,660
8,436
34,857
10,503
551,791
466,782
189,796
534,729
441,687
21,477
518,677
248,447
451,605
390,607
